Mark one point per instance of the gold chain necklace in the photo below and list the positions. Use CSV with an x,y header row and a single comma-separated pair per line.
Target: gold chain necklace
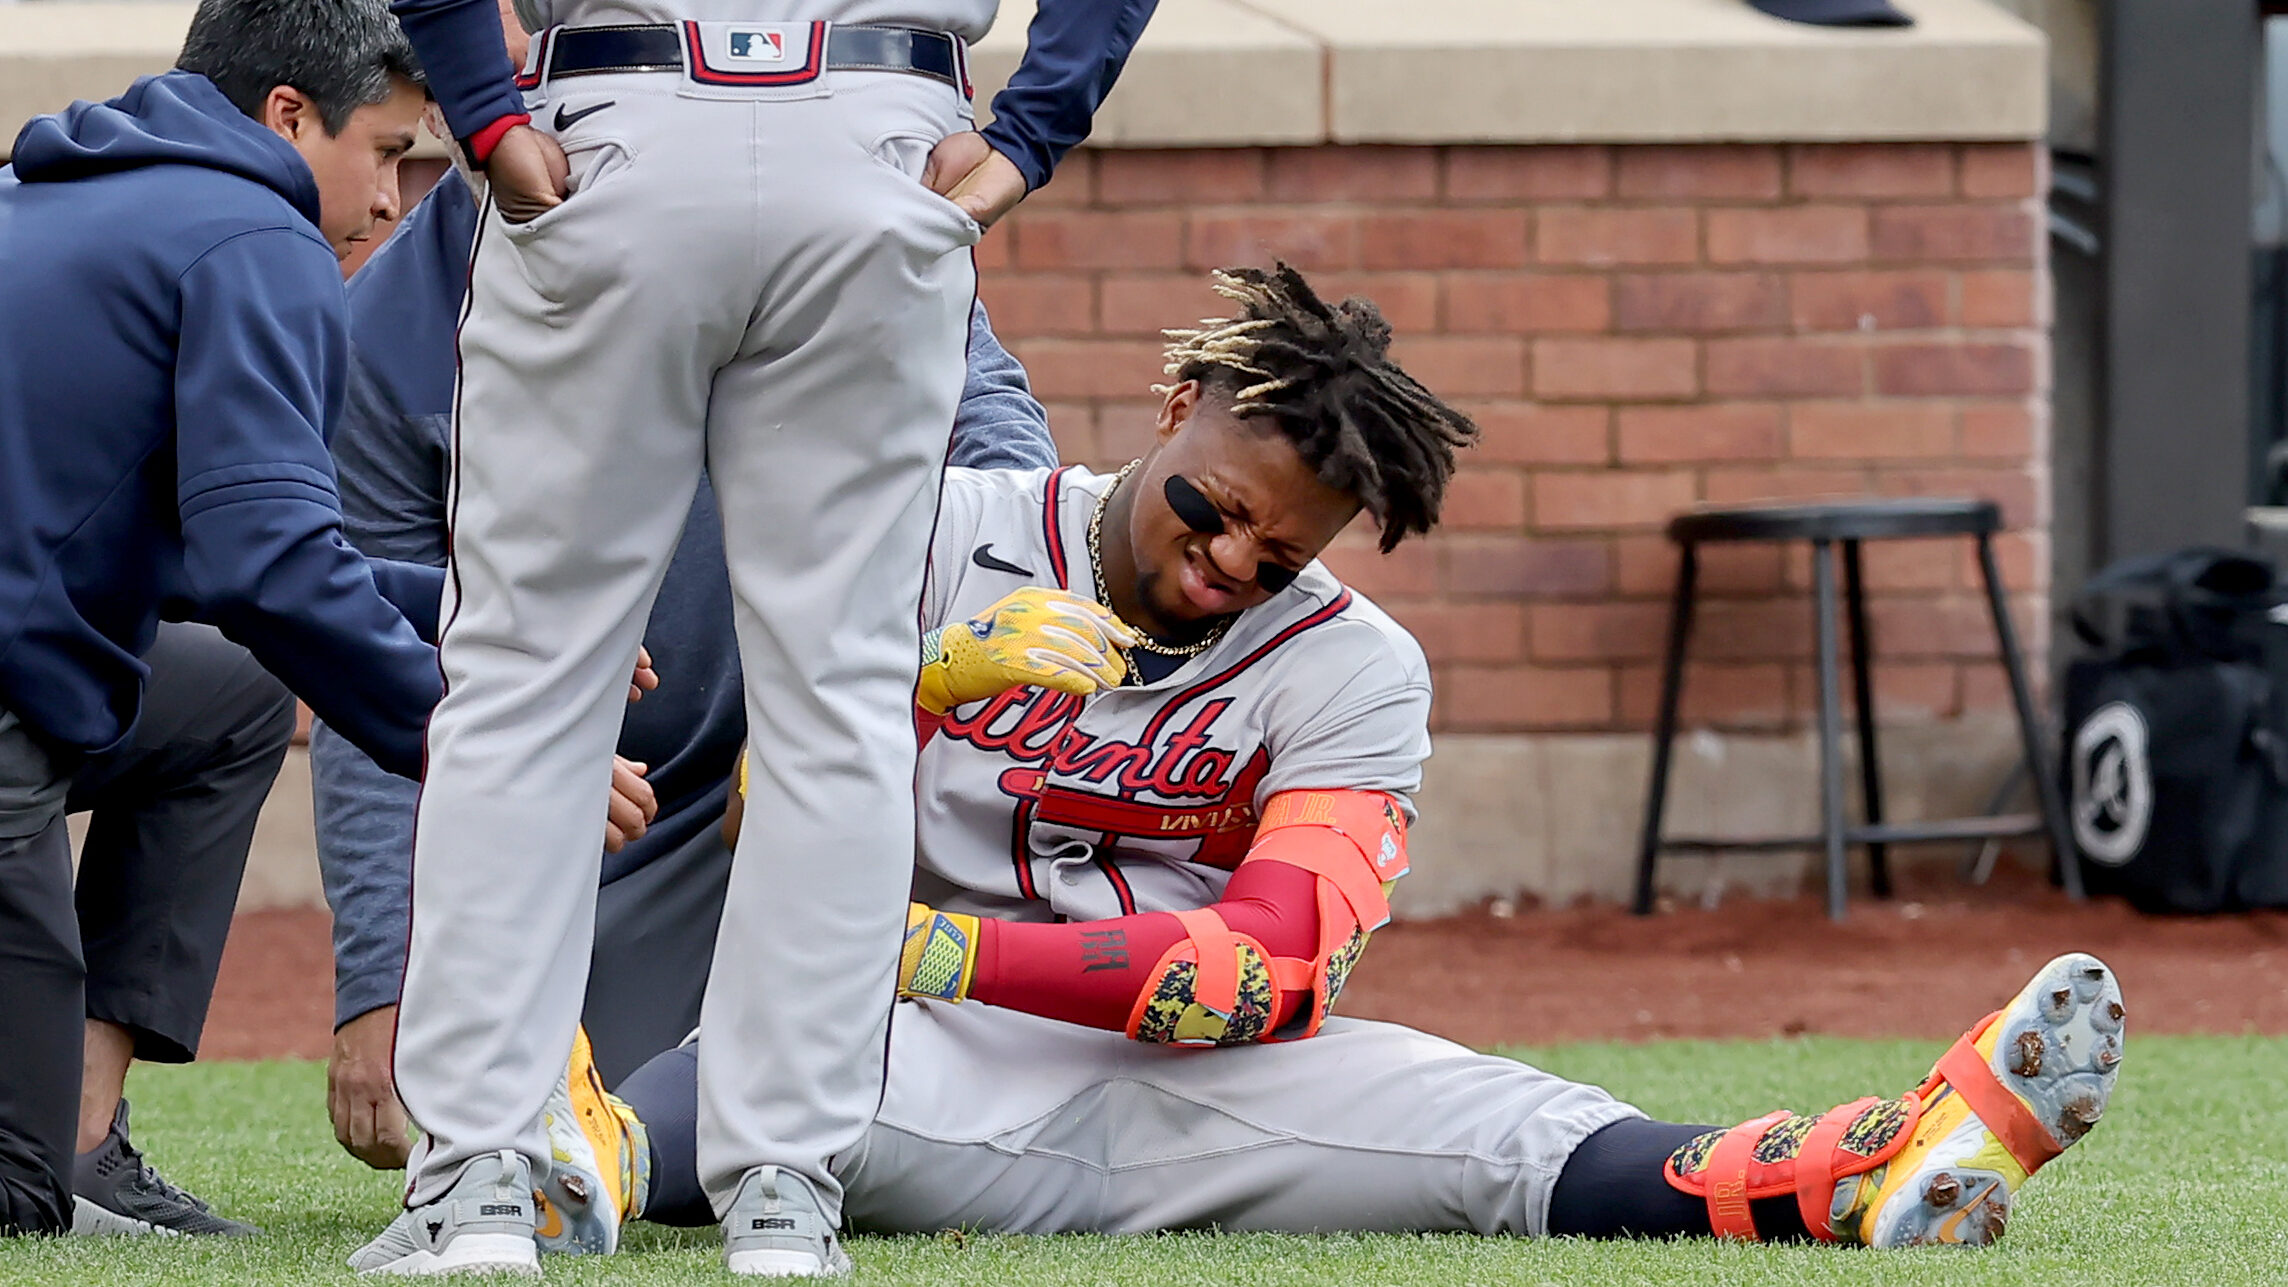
x,y
1096,570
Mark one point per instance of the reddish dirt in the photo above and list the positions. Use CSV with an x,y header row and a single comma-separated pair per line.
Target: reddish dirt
x,y
275,996
1922,965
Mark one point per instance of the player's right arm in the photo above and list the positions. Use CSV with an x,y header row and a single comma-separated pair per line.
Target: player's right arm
x,y
1035,635
465,57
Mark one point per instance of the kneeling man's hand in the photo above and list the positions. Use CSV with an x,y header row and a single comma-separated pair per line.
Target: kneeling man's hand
x,y
361,1097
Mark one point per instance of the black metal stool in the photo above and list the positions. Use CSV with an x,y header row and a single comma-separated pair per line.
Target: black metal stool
x,y
1826,526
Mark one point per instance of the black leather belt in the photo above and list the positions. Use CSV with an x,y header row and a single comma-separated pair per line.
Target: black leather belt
x,y
590,51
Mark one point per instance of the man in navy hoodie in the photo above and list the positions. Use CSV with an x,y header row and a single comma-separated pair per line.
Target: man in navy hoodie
x,y
172,348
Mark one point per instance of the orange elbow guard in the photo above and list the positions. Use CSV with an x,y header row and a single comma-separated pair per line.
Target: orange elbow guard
x,y
1215,987
1355,843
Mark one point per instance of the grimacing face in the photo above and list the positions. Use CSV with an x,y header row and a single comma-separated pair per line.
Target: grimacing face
x,y
356,169
1274,509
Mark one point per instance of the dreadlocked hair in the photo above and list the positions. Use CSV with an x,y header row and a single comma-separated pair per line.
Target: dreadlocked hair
x,y
1323,373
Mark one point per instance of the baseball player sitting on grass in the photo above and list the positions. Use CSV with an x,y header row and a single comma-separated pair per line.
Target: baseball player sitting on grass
x,y
1165,791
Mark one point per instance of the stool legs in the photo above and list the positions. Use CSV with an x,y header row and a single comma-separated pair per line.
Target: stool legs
x,y
1664,732
1830,726
1863,692
2030,727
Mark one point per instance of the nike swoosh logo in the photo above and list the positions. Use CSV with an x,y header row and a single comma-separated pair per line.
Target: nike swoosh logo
x,y
566,120
982,556
1950,1229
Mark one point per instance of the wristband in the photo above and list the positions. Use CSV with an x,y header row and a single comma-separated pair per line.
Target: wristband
x,y
480,145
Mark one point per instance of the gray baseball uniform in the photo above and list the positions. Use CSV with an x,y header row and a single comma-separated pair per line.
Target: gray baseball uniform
x,y
1036,806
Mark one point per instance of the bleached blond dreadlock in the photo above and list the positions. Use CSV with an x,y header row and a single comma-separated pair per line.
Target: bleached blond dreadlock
x,y
1324,375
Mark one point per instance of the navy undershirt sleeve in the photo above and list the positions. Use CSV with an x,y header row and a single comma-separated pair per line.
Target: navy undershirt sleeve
x,y
465,58
1073,53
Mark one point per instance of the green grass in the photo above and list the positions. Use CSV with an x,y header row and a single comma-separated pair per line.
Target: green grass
x,y
2185,1182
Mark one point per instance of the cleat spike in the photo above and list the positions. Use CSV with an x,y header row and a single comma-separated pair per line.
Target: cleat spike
x,y
2079,1115
2027,1061
1943,1191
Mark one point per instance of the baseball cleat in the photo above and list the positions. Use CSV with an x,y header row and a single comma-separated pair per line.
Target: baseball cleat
x,y
481,1225
2020,1088
600,1162
114,1191
775,1229
1941,1164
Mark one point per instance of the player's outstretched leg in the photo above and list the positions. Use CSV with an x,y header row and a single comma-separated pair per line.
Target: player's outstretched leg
x,y
599,1166
1942,1163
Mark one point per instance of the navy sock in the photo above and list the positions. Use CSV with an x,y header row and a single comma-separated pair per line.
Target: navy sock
x,y
1614,1187
665,1095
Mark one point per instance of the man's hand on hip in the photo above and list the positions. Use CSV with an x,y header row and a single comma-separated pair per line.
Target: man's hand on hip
x,y
360,1096
966,170
528,172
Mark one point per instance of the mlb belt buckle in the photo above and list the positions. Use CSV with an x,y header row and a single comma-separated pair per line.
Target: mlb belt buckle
x,y
755,53
746,53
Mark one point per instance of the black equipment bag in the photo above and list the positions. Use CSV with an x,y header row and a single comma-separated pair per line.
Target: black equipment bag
x,y
2176,732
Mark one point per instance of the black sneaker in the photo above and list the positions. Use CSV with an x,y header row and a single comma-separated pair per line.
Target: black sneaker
x,y
114,1191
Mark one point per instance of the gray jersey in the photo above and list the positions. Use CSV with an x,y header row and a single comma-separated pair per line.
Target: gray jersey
x,y
1038,805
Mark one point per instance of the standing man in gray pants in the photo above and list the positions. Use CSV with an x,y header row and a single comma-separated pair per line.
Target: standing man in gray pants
x,y
726,237
662,890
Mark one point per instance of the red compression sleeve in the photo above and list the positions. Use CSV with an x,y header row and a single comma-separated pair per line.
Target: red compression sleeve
x,y
1091,972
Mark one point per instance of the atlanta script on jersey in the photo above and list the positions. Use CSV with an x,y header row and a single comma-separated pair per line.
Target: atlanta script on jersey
x,y
1038,804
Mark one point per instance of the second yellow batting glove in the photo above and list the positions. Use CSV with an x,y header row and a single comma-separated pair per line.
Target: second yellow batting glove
x,y
1036,635
939,960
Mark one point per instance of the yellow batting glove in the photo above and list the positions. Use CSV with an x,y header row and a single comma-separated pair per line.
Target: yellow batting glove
x,y
939,959
1049,638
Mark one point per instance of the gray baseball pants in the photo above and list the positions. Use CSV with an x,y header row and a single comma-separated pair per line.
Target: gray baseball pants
x,y
753,282
1007,1122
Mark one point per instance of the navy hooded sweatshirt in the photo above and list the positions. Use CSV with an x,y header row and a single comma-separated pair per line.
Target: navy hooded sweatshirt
x,y
172,351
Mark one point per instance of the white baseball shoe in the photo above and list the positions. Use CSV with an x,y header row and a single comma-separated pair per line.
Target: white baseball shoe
x,y
775,1229
483,1224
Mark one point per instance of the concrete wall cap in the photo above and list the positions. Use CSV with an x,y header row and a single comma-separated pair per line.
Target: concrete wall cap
x,y
1220,73
1645,71
1207,73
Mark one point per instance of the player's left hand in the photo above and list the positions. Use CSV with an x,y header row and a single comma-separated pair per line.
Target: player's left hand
x,y
939,959
966,170
634,804
645,678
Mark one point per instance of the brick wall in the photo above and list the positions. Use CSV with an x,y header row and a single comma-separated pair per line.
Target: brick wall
x,y
1637,329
